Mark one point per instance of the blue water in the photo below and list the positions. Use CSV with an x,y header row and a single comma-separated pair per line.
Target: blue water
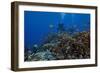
x,y
39,24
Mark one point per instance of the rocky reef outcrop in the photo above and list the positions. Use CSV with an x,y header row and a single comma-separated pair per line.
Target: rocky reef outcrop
x,y
60,46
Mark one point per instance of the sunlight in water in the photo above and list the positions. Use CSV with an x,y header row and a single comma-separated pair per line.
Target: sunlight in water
x,y
72,18
62,16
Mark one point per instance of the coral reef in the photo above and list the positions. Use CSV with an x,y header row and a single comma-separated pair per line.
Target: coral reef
x,y
60,46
